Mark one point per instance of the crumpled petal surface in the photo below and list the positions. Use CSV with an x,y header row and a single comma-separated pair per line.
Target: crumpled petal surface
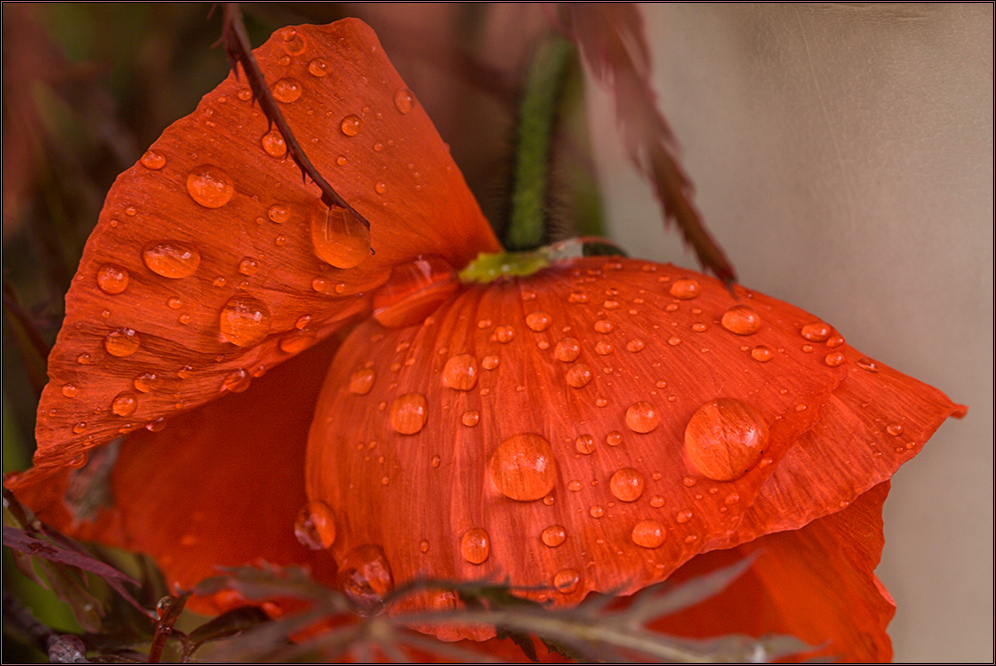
x,y
214,221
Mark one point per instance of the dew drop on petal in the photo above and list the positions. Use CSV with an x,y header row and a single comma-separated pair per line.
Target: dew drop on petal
x,y
523,467
742,320
112,279
762,353
294,42
470,418
296,341
579,375
614,438
553,536
404,101
489,362
603,348
365,575
248,266
338,237
634,345
70,390
685,288
156,425
153,159
460,372
604,326
475,545
414,291
287,90
538,321
237,381
78,428
124,404
351,125
210,186
278,213
867,364
567,350
244,320
147,382
409,413
423,546
657,501
642,417
315,525
171,259
174,303
725,438
318,67
627,484
833,359
505,334
649,534
274,144
584,444
567,580
817,331
596,511
122,342
894,429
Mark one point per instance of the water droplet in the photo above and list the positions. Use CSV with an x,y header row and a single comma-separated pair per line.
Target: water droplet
x,y
742,320
762,353
315,525
122,342
423,546
414,291
296,341
174,303
351,125
674,341
112,279
274,144
567,580
153,159
475,546
338,237
807,348
579,375
685,288
245,320
124,404
409,413
657,501
287,90
210,186
171,259
538,321
435,461
584,444
489,362
185,372
318,67
835,341
365,575
627,484
504,334
603,348
604,326
725,438
867,364
78,428
237,381
833,359
596,511
894,429
649,534
642,417
614,438
634,345
523,467
817,331
683,517
460,372
404,101
567,350
70,390
553,536
244,94
470,418
147,382
574,486
248,266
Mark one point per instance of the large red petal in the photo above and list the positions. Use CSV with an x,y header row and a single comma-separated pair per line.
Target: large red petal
x,y
212,229
816,583
646,334
219,486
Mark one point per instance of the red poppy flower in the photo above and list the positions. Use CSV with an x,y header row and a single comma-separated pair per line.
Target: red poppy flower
x,y
571,426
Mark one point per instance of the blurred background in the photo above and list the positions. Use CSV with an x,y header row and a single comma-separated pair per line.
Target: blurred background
x,y
842,156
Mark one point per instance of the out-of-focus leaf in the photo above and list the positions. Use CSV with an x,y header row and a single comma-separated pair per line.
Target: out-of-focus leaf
x,y
22,541
229,624
269,582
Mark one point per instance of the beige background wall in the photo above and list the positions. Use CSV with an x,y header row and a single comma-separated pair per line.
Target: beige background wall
x,y
843,156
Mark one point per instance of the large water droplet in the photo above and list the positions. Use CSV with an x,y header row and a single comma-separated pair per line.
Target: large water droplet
x,y
409,413
315,525
365,575
742,320
287,90
567,350
817,331
124,404
523,467
642,417
475,545
351,125
553,536
338,237
171,259
274,144
153,159
294,42
649,534
538,321
245,320
725,438
112,279
404,101
122,342
210,186
685,288
567,580
414,291
627,484
460,372
579,375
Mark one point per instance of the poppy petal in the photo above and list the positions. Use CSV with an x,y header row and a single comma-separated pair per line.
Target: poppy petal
x,y
816,583
216,487
536,429
213,260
